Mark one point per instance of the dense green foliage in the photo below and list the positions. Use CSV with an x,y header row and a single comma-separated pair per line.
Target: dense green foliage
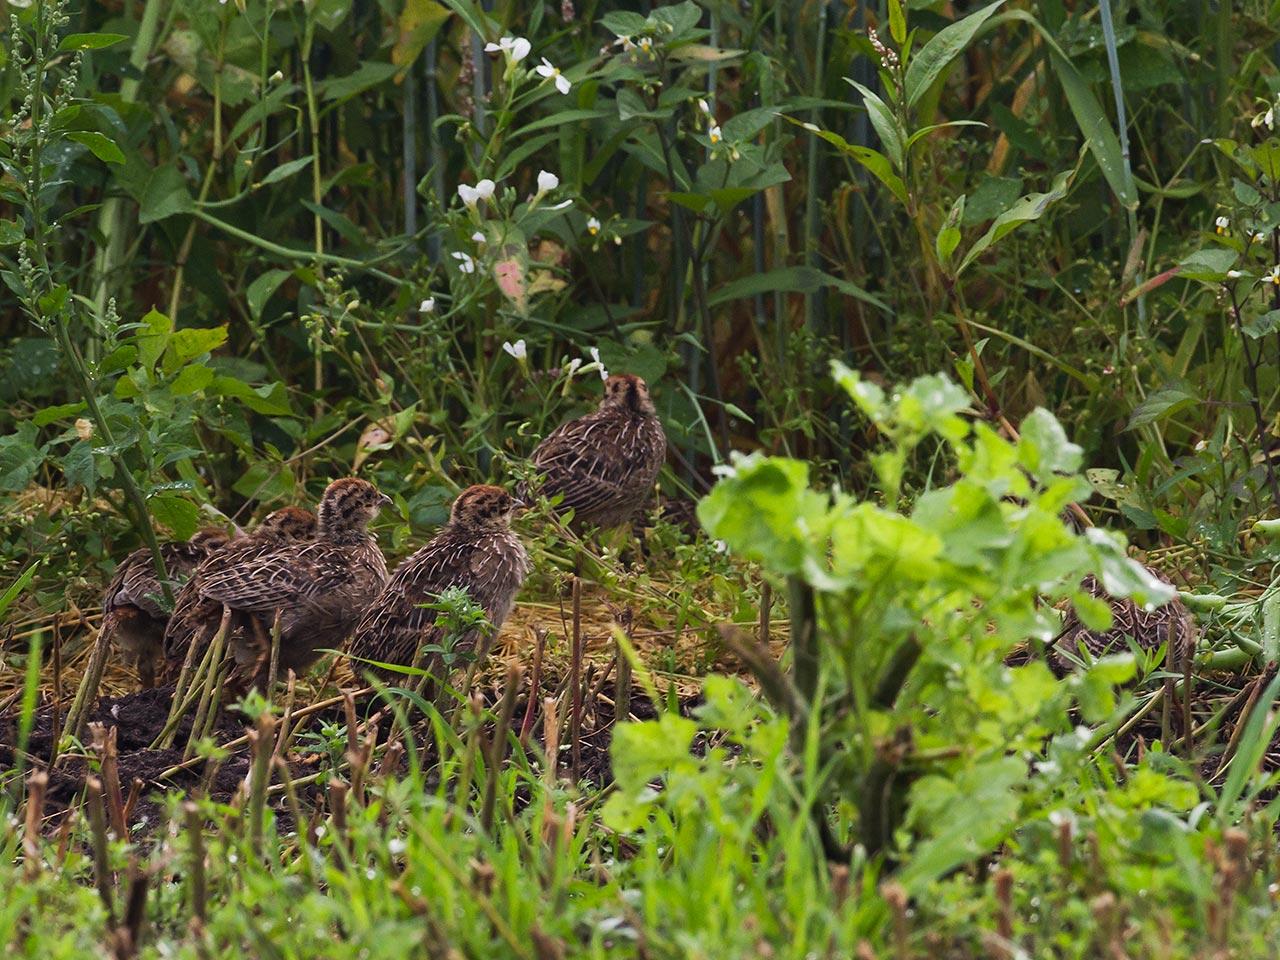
x,y
914,280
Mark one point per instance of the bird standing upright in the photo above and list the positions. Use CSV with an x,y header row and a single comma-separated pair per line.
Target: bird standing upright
x,y
477,551
133,614
604,464
318,588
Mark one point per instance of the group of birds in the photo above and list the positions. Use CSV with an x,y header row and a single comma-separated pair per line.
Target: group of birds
x,y
320,581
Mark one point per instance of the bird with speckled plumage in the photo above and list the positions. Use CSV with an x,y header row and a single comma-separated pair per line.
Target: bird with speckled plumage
x,y
133,610
604,465
475,550
1170,623
195,618
319,588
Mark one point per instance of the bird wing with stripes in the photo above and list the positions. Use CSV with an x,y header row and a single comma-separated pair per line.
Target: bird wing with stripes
x,y
279,578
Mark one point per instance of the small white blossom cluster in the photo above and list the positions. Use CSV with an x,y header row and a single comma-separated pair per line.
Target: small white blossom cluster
x,y
888,58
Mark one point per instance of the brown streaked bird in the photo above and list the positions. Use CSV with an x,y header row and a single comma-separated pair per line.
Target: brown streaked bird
x,y
604,464
1150,629
320,588
132,605
477,551
194,618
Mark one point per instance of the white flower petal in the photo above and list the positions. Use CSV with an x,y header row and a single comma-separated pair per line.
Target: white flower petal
x,y
520,49
428,305
547,181
593,226
485,188
478,236
562,205
492,47
563,84
470,196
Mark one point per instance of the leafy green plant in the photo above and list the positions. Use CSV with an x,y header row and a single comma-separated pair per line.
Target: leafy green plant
x,y
902,621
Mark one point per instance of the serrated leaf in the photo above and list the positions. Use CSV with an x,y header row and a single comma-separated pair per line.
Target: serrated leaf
x,y
1161,404
180,516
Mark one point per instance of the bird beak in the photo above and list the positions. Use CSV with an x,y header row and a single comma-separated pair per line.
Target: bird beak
x,y
386,501
518,504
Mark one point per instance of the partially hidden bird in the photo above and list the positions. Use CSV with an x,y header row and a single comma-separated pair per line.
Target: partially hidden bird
x,y
318,588
195,618
475,550
133,605
603,465
1150,629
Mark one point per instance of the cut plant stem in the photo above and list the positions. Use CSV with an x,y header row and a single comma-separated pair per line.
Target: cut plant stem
x,y
575,684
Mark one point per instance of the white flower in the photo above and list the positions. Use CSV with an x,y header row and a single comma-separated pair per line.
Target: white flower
x,y
574,364
724,470
428,305
465,263
517,349
549,72
595,356
547,181
714,133
1269,118
514,49
395,846
593,226
473,195
1234,274
720,546
1273,276
625,43
276,77
1257,236
646,45
478,236
704,107
1223,224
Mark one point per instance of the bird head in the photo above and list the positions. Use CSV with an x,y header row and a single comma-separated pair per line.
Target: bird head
x,y
348,505
484,506
626,391
208,539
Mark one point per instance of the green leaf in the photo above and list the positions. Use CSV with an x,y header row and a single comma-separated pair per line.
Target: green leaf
x,y
949,235
191,379
1258,327
11,232
360,80
623,23
271,399
61,412
89,41
897,23
20,457
329,14
885,124
873,160
1044,449
191,342
152,338
930,60
262,288
165,195
102,147
181,517
78,468
781,280
420,21
1209,265
1031,207
1161,404
1090,117
285,170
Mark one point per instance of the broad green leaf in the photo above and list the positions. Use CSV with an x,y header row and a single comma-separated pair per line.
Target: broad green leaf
x,y
930,60
152,338
1258,327
78,467
101,146
1044,449
20,457
622,23
262,288
191,379
1209,265
191,342
1029,208
180,516
270,399
165,195
1161,404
